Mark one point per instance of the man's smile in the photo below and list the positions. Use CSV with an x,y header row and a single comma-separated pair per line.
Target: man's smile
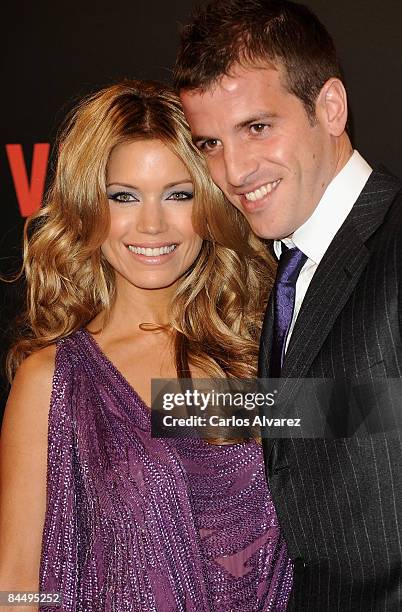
x,y
261,192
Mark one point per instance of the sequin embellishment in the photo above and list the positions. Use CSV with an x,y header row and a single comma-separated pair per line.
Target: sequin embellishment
x,y
138,524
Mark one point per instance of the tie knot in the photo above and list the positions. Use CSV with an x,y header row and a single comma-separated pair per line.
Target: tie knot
x,y
290,263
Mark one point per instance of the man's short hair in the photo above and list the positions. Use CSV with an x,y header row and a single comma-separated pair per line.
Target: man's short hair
x,y
226,32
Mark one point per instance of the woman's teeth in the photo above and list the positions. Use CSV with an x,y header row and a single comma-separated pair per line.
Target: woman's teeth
x,y
259,193
152,252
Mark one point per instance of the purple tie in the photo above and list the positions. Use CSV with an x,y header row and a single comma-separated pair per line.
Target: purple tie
x,y
290,264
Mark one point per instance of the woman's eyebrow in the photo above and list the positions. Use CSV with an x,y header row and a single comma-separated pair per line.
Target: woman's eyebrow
x,y
118,184
181,182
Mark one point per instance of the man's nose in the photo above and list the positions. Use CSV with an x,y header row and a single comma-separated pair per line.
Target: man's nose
x,y
239,165
151,218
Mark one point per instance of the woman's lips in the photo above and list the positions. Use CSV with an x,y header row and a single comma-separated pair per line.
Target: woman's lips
x,y
152,255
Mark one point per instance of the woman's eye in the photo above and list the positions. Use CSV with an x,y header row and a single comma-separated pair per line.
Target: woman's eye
x,y
122,196
181,195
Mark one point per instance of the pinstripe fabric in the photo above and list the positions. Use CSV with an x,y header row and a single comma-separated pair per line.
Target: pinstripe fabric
x,y
340,501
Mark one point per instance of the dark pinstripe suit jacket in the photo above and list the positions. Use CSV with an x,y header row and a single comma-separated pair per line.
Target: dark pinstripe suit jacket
x,y
340,501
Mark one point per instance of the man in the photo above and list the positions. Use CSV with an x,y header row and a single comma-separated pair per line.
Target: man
x,y
261,88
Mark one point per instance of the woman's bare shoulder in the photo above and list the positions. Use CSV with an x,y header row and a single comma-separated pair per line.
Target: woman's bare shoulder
x,y
31,388
38,364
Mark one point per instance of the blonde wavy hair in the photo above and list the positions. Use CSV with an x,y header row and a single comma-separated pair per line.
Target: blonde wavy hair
x,y
218,307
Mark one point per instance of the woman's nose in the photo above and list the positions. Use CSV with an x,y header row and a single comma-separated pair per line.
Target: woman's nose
x,y
151,218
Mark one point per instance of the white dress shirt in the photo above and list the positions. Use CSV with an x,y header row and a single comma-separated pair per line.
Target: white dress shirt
x,y
316,234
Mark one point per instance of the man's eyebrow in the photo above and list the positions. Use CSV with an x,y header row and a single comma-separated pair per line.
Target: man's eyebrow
x,y
198,138
257,117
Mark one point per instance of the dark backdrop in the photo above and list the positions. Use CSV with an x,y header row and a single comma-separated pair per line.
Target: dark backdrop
x,y
57,52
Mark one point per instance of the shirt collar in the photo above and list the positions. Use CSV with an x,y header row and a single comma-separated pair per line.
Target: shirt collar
x,y
317,233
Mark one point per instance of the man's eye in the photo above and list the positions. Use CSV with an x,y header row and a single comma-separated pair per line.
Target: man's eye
x,y
208,145
181,195
258,128
122,196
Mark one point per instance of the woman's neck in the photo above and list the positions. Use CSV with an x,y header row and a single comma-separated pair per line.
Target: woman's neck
x,y
133,307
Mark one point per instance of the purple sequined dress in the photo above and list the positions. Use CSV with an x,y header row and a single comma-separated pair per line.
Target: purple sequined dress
x,y
135,523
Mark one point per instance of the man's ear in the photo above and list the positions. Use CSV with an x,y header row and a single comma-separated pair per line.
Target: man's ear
x,y
332,106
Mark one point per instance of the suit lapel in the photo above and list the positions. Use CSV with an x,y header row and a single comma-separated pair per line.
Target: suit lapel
x,y
329,290
337,274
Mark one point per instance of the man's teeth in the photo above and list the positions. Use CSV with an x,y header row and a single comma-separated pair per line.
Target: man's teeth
x,y
259,193
155,252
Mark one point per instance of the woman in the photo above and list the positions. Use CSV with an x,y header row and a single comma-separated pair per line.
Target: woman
x,y
126,284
